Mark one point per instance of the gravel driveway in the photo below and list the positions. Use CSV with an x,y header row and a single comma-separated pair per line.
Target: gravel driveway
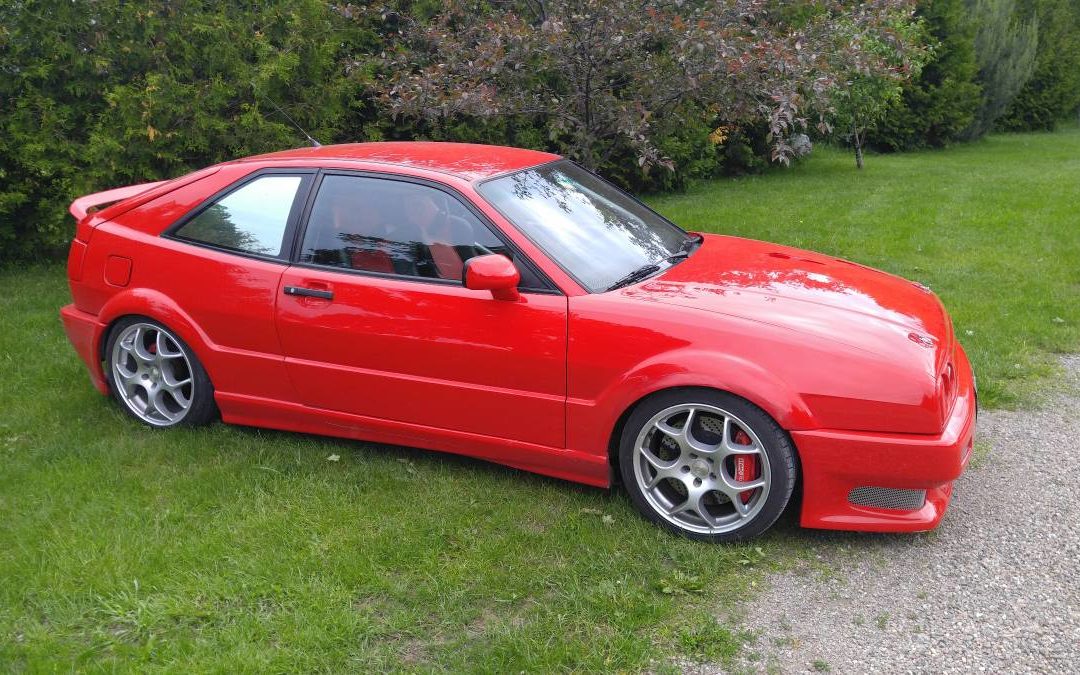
x,y
996,588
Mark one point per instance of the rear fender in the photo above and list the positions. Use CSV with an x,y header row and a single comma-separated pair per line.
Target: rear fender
x,y
159,307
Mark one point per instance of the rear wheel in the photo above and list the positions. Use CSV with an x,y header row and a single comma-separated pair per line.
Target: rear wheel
x,y
156,376
706,464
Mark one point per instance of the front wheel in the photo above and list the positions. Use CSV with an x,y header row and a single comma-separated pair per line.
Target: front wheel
x,y
156,376
706,464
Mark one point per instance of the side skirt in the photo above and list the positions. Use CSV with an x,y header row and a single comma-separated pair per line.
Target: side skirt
x,y
564,463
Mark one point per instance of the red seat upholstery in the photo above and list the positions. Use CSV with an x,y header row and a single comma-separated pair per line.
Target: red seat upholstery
x,y
371,261
447,261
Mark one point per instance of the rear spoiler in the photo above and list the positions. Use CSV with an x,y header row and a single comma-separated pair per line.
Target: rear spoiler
x,y
92,210
81,206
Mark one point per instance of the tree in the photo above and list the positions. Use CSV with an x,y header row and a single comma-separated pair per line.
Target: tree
x,y
1005,48
1053,92
875,65
936,107
600,75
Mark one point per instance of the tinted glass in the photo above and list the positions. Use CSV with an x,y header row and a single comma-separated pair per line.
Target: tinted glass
x,y
251,218
598,233
396,227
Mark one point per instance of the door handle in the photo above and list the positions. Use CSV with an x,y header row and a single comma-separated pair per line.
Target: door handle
x,y
309,292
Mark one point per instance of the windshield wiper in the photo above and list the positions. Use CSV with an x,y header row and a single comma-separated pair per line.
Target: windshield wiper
x,y
651,269
684,251
687,247
637,275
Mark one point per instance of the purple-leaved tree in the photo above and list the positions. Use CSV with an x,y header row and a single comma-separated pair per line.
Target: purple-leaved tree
x,y
598,74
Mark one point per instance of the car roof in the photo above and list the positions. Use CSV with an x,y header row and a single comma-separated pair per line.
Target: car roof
x,y
468,161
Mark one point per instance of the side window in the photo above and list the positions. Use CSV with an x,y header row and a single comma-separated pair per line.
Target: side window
x,y
251,218
397,227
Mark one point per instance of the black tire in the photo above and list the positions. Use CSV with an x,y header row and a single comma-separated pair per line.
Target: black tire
x,y
767,439
178,359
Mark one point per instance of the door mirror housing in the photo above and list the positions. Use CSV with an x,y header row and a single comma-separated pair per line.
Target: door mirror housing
x,y
492,272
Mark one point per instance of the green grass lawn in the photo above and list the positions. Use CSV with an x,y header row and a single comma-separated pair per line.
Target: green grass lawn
x,y
235,549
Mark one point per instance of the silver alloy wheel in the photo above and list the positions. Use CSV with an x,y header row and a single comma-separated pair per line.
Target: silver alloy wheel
x,y
152,374
683,463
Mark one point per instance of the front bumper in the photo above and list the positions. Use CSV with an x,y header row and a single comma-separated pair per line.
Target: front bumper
x,y
836,462
84,332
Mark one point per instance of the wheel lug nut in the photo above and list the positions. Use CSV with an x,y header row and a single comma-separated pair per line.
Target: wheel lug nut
x,y
685,469
697,482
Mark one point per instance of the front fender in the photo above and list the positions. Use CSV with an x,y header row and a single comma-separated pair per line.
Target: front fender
x,y
590,423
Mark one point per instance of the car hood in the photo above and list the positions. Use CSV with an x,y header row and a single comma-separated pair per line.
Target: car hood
x,y
841,301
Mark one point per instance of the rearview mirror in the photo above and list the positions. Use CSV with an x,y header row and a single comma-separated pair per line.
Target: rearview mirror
x,y
492,272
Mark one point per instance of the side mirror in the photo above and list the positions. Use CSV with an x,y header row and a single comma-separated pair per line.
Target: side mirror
x,y
492,272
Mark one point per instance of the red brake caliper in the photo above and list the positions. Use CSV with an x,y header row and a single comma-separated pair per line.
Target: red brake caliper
x,y
746,466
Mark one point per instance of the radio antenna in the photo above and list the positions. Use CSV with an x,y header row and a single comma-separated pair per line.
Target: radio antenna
x,y
314,143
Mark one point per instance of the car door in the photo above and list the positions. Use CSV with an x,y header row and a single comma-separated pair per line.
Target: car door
x,y
374,319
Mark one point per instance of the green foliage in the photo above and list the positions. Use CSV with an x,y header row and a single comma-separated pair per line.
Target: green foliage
x,y
705,640
619,83
1053,92
1005,47
867,93
937,106
100,94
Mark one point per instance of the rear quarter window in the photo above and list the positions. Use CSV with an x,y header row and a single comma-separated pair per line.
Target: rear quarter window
x,y
252,218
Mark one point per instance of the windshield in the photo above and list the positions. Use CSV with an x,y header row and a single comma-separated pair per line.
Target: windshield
x,y
596,232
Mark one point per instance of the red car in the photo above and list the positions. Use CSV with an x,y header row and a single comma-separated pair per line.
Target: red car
x,y
509,305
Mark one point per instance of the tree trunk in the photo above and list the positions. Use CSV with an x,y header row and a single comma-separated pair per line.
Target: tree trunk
x,y
588,155
857,142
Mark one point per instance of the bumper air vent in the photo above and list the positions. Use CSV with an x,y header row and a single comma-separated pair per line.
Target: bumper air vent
x,y
888,498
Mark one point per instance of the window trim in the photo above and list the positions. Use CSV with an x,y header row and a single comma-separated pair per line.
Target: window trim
x,y
562,160
305,221
292,222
